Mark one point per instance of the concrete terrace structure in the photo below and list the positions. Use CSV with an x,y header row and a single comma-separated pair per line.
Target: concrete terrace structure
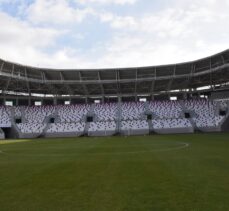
x,y
102,102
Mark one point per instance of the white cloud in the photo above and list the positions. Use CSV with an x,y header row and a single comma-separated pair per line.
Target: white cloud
x,y
168,36
188,30
56,12
119,2
21,42
7,1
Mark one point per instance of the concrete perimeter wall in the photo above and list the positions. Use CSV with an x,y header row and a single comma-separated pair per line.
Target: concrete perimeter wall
x,y
174,130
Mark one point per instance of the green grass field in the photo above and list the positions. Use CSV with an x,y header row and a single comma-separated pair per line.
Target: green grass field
x,y
169,172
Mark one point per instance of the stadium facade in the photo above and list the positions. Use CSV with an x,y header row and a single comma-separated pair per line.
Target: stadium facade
x,y
23,86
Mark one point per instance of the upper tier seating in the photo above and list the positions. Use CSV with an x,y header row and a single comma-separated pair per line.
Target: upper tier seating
x,y
132,111
37,114
166,109
224,103
66,127
17,110
72,113
102,126
106,112
4,117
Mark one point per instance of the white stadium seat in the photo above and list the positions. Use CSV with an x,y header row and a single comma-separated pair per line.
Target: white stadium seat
x,y
102,126
131,110
5,117
106,112
72,113
134,125
171,123
66,127
166,109
31,127
206,114
72,118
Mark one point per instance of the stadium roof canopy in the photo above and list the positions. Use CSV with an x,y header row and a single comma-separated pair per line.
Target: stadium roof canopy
x,y
212,71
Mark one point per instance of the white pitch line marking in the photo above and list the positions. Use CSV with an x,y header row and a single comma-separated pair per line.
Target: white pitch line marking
x,y
1,152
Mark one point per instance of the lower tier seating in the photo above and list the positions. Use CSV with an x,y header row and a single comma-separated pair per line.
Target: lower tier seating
x,y
134,125
211,121
124,118
102,126
171,123
31,127
66,127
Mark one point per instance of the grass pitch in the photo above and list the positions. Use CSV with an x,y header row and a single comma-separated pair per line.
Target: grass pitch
x,y
169,172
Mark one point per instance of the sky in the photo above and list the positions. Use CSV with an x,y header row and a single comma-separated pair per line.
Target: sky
x,y
111,33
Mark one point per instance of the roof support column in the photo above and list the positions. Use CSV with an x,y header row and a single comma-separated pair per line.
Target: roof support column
x,y
84,86
152,89
119,99
136,85
17,101
184,96
223,59
55,101
2,67
103,99
27,82
100,83
29,100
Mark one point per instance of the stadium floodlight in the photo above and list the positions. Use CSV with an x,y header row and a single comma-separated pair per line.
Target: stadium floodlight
x,y
173,98
142,100
97,101
37,103
9,103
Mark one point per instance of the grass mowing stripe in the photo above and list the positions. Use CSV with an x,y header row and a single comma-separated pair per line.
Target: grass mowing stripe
x,y
13,141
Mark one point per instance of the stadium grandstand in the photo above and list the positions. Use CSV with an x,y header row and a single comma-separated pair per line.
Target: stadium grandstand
x,y
178,98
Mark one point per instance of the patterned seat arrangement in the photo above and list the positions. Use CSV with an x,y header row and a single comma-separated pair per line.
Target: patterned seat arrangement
x,y
66,127
166,109
213,121
72,118
106,112
37,114
34,117
171,123
102,126
134,125
206,114
4,117
17,110
132,111
31,128
223,104
72,113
